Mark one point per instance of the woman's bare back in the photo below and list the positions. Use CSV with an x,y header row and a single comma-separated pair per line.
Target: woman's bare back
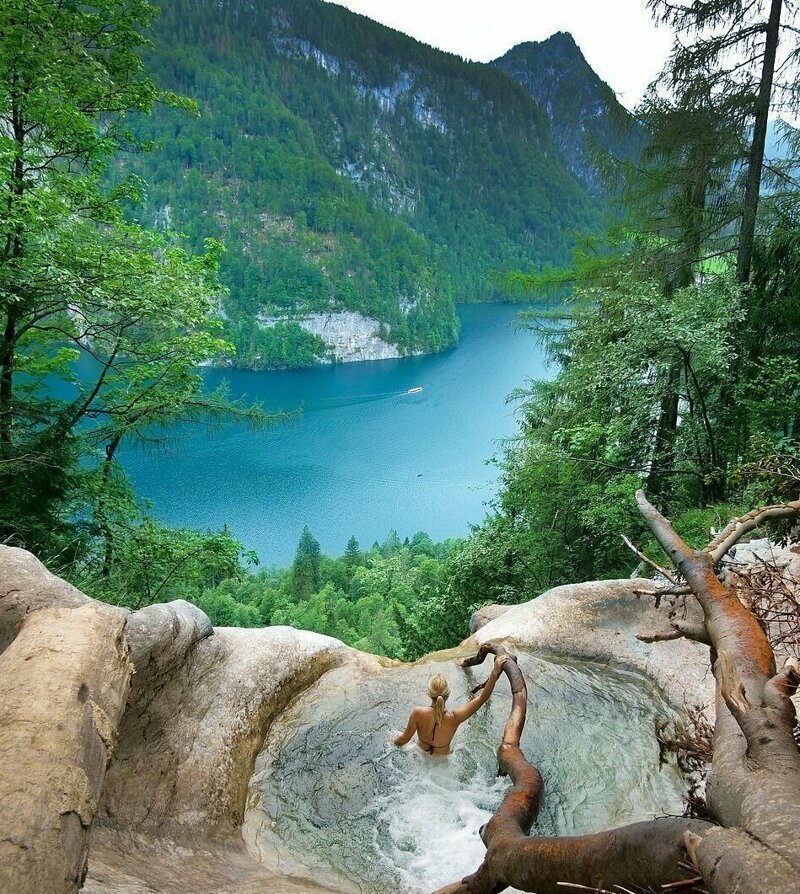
x,y
435,738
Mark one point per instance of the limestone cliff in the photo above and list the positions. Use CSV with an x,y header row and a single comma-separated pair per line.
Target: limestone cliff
x,y
348,336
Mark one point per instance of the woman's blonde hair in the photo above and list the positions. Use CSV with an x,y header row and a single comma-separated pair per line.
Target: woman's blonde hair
x,y
438,690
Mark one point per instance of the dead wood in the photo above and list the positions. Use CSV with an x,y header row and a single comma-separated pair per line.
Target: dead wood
x,y
753,789
633,856
690,737
737,528
753,786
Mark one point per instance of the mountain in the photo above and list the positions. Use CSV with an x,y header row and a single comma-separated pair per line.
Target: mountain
x,y
782,139
583,111
362,181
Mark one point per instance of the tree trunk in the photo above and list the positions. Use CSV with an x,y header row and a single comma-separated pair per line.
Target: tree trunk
x,y
658,479
754,783
6,379
102,515
13,250
753,787
755,163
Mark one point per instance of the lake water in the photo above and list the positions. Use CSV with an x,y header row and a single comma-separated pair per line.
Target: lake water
x,y
365,458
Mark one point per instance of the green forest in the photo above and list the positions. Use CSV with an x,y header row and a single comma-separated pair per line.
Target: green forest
x,y
678,350
346,166
385,600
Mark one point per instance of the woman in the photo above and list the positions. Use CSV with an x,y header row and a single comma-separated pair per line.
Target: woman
x,y
434,726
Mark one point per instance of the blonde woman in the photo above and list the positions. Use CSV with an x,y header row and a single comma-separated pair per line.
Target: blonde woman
x,y
434,725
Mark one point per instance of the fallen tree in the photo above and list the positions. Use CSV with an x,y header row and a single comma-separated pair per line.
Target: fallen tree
x,y
753,793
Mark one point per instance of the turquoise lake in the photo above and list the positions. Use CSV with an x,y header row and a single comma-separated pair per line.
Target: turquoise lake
x,y
366,457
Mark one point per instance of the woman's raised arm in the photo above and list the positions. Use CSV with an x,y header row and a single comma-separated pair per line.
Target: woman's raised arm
x,y
462,712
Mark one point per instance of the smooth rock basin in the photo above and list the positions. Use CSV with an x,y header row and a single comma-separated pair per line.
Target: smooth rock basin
x,y
190,709
330,798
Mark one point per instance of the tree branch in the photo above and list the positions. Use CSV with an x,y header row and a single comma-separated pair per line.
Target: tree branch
x,y
648,561
733,532
744,665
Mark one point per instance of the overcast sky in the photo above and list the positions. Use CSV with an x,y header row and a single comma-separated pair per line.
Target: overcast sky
x,y
618,37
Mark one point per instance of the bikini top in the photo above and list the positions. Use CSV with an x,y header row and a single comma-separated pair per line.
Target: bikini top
x,y
431,747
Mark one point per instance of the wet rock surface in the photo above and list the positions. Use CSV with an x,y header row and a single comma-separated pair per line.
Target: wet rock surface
x,y
186,712
129,863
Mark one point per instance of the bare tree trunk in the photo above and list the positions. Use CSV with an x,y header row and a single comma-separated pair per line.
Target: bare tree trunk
x,y
6,379
634,856
102,514
658,479
754,783
753,787
755,163
13,250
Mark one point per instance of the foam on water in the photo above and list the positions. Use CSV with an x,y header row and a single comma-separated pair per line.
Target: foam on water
x,y
332,798
433,815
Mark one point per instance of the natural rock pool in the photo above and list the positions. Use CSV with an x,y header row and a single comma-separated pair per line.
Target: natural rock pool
x,y
332,799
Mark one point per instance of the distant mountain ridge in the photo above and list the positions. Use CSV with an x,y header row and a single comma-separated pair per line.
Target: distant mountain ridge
x,y
350,168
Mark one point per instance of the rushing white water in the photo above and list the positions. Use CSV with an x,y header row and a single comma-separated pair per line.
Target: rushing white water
x,y
332,799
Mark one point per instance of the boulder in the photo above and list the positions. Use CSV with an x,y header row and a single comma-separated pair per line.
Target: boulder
x,y
25,586
199,707
600,621
64,680
482,616
182,707
200,704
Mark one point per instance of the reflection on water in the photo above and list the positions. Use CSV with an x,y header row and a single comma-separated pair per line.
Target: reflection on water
x,y
330,793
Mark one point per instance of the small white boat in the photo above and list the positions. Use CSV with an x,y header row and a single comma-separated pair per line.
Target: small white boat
x,y
416,390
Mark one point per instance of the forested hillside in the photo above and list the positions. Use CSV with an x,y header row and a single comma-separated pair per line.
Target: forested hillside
x,y
347,166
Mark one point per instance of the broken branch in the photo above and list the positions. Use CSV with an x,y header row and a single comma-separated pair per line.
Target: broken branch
x,y
736,528
648,561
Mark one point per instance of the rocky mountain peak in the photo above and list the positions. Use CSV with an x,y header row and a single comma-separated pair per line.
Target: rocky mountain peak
x,y
584,113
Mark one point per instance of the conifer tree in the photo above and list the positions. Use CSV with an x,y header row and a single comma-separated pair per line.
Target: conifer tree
x,y
306,579
352,553
732,50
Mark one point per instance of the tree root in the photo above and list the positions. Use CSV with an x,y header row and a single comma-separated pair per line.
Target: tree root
x,y
635,856
753,786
